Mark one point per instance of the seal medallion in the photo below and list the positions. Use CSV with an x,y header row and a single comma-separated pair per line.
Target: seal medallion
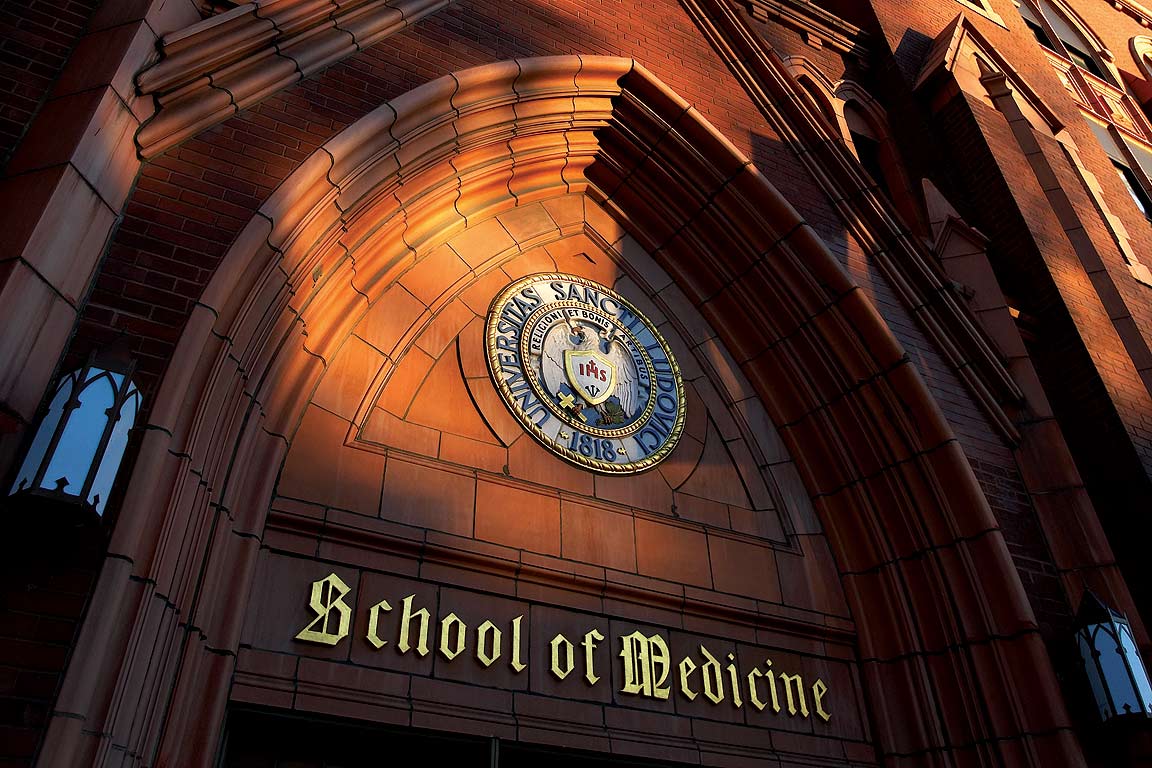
x,y
585,373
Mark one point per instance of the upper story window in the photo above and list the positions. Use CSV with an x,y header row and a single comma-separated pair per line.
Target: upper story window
x,y
1040,34
866,129
867,146
1132,161
1032,21
1084,66
1057,29
1084,61
1132,184
862,124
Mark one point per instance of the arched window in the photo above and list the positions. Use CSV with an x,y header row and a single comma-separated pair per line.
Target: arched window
x,y
820,99
81,440
821,92
1058,29
1141,84
1142,54
862,124
866,145
866,128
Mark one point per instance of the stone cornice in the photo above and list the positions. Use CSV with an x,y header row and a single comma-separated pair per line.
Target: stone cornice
x,y
828,29
213,69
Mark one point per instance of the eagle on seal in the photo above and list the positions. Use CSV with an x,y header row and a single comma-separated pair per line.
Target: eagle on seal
x,y
580,338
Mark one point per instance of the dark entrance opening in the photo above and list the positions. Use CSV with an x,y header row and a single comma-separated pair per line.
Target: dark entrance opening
x,y
259,739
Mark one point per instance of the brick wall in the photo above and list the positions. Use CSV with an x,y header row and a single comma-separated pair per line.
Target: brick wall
x,y
36,37
42,603
191,202
42,600
1090,375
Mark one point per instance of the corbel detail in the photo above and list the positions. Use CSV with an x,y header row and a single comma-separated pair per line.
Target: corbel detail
x,y
211,70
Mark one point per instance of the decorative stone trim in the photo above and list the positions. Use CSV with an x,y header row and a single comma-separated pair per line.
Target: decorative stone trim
x,y
945,57
959,46
818,25
1141,46
981,7
1133,9
212,70
597,584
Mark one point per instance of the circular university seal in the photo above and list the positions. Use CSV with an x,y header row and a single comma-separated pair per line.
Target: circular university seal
x,y
585,373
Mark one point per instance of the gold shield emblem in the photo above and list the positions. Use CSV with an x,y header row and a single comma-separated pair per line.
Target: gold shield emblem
x,y
591,374
585,373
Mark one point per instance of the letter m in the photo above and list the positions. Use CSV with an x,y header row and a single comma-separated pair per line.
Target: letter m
x,y
646,663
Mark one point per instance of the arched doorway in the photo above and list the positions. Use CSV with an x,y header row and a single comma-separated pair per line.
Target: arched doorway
x,y
266,394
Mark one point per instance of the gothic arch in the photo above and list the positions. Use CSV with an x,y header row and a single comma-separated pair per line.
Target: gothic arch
x,y
821,88
855,99
918,549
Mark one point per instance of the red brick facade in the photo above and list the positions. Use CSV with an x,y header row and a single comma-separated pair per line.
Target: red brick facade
x,y
38,38
918,406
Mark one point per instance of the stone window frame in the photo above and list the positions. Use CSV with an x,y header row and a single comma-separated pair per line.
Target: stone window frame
x,y
836,97
1095,48
1121,149
984,8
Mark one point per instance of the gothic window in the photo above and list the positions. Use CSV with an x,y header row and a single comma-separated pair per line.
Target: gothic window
x,y
862,124
867,146
81,440
819,99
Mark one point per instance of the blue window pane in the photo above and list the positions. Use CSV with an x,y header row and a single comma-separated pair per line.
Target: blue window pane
x,y
102,485
1116,673
1098,691
44,434
81,438
1139,671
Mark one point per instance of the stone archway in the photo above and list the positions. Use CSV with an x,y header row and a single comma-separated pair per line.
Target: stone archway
x,y
916,545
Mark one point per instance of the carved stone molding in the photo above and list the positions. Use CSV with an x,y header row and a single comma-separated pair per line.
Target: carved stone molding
x,y
213,69
818,25
1133,9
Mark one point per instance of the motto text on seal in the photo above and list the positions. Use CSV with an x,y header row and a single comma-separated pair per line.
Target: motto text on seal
x,y
585,372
